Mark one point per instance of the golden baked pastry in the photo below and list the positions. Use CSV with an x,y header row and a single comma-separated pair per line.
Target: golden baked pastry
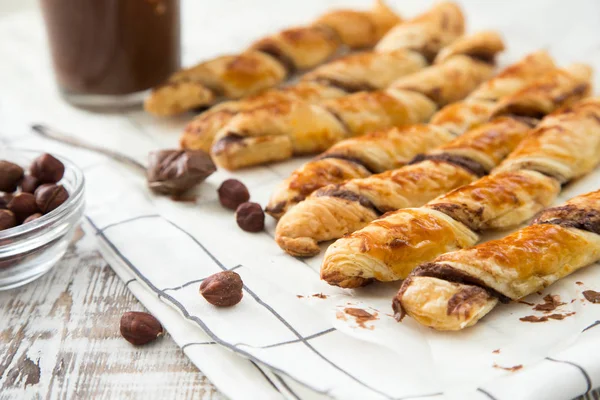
x,y
249,140
268,61
367,70
385,150
359,29
427,33
565,146
500,200
229,76
508,197
199,133
336,210
484,46
278,131
515,77
560,87
457,289
361,71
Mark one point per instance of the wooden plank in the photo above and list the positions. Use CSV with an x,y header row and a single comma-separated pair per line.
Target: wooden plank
x,y
59,339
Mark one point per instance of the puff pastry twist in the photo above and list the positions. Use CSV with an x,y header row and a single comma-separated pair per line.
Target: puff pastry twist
x,y
267,62
457,289
248,139
369,70
386,150
564,146
336,210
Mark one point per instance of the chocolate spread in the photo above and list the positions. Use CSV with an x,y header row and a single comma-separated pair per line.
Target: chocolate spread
x,y
466,163
112,47
592,296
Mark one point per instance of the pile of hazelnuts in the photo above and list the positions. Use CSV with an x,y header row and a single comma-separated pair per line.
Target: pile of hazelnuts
x,y
29,195
234,195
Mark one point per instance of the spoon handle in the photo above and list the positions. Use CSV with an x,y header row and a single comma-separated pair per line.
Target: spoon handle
x,y
50,133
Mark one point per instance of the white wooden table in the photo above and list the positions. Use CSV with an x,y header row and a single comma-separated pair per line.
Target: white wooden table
x,y
59,336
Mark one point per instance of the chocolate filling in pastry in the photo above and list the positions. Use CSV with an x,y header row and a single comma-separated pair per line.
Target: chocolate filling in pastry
x,y
347,195
572,217
451,274
464,162
349,87
344,157
222,143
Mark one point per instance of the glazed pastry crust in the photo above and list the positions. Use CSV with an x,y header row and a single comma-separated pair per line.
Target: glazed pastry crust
x,y
448,82
482,46
368,111
268,61
461,116
515,77
199,134
300,48
310,177
490,143
367,70
498,201
324,217
359,29
442,305
561,241
389,248
528,260
427,33
557,88
378,151
389,149
386,150
410,186
565,145
178,97
235,76
302,128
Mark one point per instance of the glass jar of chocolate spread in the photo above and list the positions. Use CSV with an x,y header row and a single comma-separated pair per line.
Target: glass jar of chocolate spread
x,y
107,53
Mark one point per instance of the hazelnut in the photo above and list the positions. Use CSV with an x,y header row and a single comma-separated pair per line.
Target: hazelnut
x,y
29,184
32,217
7,220
140,328
50,196
23,205
4,200
223,289
10,176
232,193
47,169
250,217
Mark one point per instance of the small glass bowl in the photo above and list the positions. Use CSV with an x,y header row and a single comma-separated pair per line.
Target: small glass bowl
x,y
30,250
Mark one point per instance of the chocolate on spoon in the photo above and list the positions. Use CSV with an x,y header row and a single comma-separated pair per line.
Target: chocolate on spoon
x,y
169,172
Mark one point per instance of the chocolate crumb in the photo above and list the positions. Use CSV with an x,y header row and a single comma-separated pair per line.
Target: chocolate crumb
x,y
533,318
592,296
511,369
551,303
540,292
497,351
320,295
579,283
299,296
361,316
